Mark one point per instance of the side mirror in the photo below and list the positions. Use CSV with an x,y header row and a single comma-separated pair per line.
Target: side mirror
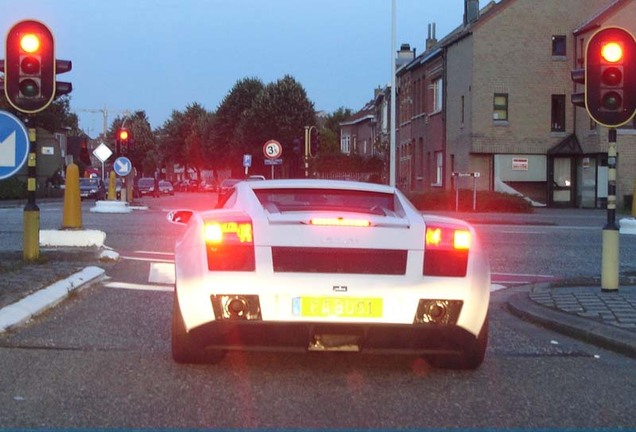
x,y
181,217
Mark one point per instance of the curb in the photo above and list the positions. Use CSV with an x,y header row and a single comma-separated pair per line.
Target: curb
x,y
30,306
597,333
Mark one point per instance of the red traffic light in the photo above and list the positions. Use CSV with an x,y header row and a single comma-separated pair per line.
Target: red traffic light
x,y
610,76
123,134
29,67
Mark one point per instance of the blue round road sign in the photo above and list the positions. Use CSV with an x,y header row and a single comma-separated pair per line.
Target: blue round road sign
x,y
14,145
122,166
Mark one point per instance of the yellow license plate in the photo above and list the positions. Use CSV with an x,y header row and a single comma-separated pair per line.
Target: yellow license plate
x,y
342,307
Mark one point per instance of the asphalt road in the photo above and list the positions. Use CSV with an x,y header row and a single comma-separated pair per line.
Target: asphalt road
x,y
102,358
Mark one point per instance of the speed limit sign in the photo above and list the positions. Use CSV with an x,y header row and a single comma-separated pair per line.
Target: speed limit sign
x,y
272,149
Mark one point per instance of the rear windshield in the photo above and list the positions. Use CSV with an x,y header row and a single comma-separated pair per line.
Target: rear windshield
x,y
146,182
289,200
89,182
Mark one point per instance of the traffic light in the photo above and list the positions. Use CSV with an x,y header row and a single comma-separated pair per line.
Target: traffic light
x,y
314,142
30,67
123,140
610,76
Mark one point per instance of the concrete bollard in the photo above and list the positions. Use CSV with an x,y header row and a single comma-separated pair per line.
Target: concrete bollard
x,y
72,216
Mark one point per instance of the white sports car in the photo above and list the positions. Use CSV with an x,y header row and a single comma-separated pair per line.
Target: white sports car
x,y
324,265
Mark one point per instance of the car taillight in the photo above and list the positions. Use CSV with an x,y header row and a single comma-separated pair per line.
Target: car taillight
x,y
446,250
230,245
340,221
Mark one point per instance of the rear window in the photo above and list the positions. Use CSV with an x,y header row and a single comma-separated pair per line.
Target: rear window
x,y
146,182
289,200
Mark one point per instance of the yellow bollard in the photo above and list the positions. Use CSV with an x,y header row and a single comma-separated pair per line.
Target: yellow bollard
x,y
31,235
72,217
112,186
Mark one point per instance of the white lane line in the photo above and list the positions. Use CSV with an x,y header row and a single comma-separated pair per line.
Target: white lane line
x,y
497,287
161,273
139,287
153,253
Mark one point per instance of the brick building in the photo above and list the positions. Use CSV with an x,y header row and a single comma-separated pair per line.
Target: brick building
x,y
493,97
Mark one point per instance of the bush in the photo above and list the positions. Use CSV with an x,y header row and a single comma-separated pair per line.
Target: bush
x,y
486,201
12,188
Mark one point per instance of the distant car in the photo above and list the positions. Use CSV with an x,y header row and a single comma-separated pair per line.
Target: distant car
x,y
321,265
208,186
226,187
165,187
255,177
146,186
92,188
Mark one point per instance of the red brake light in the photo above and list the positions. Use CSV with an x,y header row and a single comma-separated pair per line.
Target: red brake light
x,y
230,243
224,232
446,250
340,221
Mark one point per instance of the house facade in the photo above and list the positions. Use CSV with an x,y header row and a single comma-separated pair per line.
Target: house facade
x,y
492,98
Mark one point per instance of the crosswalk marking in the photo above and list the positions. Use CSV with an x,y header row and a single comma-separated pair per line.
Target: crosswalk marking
x,y
161,273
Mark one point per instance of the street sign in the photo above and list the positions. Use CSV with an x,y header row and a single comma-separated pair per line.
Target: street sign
x,y
14,145
273,161
272,149
247,160
102,152
122,166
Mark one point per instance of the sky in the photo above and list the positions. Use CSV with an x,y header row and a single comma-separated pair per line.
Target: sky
x,y
162,55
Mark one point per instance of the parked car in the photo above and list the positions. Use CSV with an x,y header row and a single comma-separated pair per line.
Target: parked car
x,y
92,188
166,188
322,265
208,186
226,187
146,186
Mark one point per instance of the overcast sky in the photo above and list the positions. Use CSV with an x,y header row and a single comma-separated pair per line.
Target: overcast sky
x,y
161,55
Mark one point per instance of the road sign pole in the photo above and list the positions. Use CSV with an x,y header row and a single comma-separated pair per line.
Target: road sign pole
x,y
610,254
31,210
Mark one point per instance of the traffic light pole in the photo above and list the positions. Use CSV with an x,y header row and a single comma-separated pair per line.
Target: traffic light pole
x,y
610,256
31,210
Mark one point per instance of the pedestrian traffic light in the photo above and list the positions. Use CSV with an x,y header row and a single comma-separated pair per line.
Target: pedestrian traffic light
x,y
610,76
314,141
123,139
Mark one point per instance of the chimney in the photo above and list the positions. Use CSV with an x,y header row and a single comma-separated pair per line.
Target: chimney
x,y
404,55
431,40
471,11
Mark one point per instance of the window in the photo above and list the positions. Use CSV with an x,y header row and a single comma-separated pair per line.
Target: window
x,y
439,164
558,113
500,107
345,144
437,95
558,46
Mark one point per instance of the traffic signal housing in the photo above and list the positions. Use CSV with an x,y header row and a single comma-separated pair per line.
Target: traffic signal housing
x,y
123,142
314,142
30,67
610,76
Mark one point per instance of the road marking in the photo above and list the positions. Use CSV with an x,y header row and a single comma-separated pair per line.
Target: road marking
x,y
139,287
161,273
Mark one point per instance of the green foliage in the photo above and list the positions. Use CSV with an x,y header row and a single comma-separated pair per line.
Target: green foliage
x,y
330,131
227,149
142,139
12,188
486,201
281,112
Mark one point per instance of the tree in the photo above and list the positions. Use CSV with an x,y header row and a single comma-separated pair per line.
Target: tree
x,y
227,149
281,112
57,117
142,149
330,133
185,138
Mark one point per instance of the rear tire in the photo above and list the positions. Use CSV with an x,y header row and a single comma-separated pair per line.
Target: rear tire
x,y
472,357
184,348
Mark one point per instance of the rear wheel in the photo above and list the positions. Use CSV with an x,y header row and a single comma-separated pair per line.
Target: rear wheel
x,y
184,348
472,357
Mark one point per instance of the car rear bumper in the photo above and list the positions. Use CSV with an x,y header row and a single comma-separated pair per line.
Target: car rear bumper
x,y
306,336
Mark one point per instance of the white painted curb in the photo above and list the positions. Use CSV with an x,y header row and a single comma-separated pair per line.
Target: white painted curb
x,y
21,311
77,238
627,226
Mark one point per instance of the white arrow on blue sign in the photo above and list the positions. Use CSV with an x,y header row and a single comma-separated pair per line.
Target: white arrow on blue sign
x,y
122,166
14,145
